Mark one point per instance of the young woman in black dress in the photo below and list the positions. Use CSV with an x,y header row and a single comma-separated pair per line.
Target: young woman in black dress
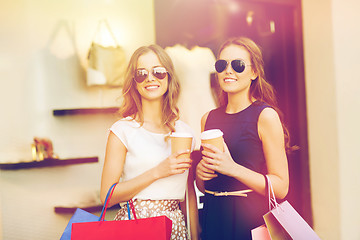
x,y
255,143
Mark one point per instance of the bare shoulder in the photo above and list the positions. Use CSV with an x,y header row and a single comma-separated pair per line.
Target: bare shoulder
x,y
203,120
269,123
268,115
204,117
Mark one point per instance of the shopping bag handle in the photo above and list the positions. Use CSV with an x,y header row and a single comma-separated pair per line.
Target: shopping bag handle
x,y
271,194
130,205
107,199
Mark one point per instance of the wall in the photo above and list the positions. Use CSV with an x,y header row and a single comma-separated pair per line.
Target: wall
x,y
346,58
42,70
332,84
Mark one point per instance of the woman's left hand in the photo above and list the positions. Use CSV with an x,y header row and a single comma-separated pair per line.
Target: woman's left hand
x,y
218,161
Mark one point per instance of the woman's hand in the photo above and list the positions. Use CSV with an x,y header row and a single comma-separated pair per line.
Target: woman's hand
x,y
218,161
173,165
204,172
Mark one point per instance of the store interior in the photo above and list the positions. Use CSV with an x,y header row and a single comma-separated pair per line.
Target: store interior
x,y
310,57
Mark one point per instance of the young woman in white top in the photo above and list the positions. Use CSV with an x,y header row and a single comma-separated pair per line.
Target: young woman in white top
x,y
138,152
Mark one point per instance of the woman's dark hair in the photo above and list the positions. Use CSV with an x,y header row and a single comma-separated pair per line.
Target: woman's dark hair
x,y
260,89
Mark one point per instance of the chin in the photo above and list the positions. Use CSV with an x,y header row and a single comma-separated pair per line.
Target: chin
x,y
229,89
152,97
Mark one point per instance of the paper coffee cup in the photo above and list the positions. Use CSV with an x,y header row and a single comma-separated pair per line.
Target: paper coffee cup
x,y
213,137
181,141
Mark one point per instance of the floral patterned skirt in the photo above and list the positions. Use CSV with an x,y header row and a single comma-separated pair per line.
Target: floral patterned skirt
x,y
154,208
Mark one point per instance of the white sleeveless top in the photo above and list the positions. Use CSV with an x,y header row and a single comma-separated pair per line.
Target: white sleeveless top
x,y
146,150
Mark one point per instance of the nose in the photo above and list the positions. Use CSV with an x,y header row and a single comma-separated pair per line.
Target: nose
x,y
150,77
228,68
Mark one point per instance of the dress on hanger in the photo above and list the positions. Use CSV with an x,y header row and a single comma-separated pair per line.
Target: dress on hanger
x,y
193,68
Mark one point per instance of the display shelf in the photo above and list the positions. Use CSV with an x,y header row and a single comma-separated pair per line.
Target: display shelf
x,y
80,111
91,209
48,162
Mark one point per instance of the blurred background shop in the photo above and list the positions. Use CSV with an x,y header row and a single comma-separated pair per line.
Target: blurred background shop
x,y
311,57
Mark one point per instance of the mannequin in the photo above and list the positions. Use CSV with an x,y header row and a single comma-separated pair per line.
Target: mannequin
x,y
194,68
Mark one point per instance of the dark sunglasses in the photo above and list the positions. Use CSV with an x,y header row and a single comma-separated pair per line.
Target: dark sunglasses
x,y
141,74
238,65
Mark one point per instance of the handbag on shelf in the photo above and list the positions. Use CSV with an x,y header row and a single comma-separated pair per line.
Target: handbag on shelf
x,y
284,222
153,228
106,64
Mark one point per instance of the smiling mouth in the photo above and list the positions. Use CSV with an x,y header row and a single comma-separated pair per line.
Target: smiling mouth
x,y
230,80
152,87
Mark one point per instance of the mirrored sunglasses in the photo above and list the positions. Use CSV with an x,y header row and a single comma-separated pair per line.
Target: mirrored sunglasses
x,y
141,74
238,65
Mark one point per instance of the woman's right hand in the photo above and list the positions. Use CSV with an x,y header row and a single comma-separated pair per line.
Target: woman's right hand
x,y
203,172
172,165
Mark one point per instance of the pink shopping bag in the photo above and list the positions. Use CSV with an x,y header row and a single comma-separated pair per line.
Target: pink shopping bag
x,y
260,233
284,222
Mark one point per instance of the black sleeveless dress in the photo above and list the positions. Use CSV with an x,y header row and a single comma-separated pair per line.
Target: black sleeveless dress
x,y
233,217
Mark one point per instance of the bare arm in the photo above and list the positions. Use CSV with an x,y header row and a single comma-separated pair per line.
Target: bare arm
x,y
114,164
272,136
202,172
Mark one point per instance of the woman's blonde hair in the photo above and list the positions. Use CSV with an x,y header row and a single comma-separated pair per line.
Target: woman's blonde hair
x,y
132,106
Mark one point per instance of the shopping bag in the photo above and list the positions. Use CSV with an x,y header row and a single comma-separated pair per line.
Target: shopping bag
x,y
153,228
106,64
284,222
79,216
260,233
83,216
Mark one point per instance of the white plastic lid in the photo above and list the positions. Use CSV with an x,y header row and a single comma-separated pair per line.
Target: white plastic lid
x,y
212,133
